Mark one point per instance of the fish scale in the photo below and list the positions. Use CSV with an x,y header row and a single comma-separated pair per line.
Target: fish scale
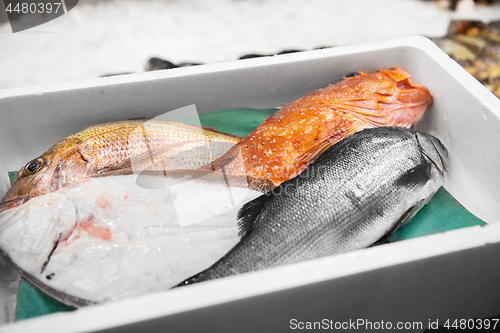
x,y
112,237
348,198
304,128
152,145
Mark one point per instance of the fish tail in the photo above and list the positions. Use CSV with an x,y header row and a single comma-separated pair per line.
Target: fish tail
x,y
248,214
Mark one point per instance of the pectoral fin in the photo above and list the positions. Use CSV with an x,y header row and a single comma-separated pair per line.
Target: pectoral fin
x,y
248,214
212,129
312,147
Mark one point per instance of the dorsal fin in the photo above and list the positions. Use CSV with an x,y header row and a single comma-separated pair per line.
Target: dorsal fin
x,y
260,184
118,172
140,118
248,214
212,129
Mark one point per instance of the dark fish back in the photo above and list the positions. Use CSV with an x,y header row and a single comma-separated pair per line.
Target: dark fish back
x,y
348,198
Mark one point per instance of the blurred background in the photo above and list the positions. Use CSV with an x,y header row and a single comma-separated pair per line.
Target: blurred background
x,y
108,37
100,38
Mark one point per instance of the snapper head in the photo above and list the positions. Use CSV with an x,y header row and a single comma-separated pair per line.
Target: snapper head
x,y
56,168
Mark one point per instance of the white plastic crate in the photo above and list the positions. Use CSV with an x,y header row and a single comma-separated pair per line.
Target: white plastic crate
x,y
437,277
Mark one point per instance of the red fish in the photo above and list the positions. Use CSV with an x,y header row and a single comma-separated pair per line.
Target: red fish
x,y
286,142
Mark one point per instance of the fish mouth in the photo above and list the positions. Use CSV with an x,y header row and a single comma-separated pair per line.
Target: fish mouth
x,y
442,153
414,93
413,100
13,203
434,151
425,90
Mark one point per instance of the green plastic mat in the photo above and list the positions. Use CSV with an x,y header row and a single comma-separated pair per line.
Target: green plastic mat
x,y
441,214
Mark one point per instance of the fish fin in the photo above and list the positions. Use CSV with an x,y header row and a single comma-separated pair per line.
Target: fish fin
x,y
260,184
310,153
404,220
396,73
140,118
312,150
212,129
248,214
120,172
221,163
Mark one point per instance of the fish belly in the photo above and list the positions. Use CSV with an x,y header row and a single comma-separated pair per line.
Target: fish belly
x,y
119,239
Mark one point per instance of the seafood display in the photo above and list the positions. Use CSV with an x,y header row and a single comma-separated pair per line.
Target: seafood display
x,y
476,47
144,144
351,196
117,209
107,238
293,137
452,4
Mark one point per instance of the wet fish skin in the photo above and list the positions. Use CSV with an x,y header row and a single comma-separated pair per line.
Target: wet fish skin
x,y
153,144
111,237
350,197
286,142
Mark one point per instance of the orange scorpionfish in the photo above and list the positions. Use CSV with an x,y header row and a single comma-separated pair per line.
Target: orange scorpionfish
x,y
286,142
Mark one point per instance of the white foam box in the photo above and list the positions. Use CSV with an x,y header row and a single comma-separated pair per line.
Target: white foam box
x,y
453,275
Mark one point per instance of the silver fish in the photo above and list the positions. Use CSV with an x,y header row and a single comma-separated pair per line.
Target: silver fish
x,y
359,190
113,237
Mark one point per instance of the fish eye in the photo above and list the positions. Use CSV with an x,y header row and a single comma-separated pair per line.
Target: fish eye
x,y
34,166
353,74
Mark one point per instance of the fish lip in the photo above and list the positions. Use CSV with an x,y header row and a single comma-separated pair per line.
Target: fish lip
x,y
444,168
441,150
424,89
13,203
